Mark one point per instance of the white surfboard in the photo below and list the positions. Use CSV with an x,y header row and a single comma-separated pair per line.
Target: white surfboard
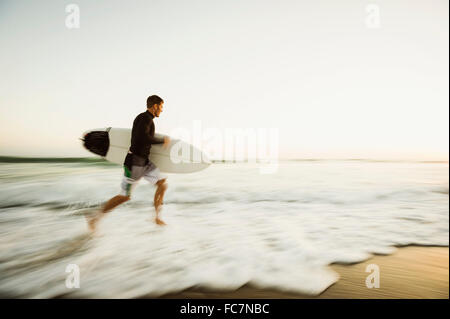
x,y
114,143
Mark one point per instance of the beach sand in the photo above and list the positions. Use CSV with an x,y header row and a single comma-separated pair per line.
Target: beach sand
x,y
410,272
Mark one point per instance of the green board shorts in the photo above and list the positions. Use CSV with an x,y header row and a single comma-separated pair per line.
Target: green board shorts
x,y
135,168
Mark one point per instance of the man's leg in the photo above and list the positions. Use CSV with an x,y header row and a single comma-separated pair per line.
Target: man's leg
x,y
108,206
153,176
159,196
114,202
128,182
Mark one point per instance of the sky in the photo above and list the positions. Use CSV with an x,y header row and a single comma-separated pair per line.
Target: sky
x,y
332,85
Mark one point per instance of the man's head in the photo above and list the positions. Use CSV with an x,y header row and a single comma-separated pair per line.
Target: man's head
x,y
155,105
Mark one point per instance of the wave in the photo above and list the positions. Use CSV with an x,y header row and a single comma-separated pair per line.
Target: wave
x,y
179,196
101,161
81,160
225,228
363,160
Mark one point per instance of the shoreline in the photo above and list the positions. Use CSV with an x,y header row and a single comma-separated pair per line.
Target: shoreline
x,y
411,272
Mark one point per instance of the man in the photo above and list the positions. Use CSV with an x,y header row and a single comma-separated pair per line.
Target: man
x,y
137,164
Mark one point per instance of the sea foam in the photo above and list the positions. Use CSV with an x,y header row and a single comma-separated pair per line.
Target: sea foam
x,y
228,226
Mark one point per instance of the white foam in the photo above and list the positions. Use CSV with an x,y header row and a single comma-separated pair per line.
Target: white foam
x,y
227,226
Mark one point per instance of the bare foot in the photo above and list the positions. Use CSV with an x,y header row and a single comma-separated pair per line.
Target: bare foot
x,y
159,222
93,219
91,223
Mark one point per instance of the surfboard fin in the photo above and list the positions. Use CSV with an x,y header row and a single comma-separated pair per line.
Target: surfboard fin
x,y
96,142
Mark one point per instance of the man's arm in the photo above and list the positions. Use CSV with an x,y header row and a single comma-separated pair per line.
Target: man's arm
x,y
157,140
165,140
140,129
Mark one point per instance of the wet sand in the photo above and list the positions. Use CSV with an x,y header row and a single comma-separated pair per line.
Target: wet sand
x,y
410,272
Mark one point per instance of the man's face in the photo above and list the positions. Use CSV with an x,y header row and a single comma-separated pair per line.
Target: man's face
x,y
158,108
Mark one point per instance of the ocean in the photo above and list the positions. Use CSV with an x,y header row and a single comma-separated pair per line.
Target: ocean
x,y
227,226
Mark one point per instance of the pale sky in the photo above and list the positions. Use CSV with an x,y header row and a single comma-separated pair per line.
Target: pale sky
x,y
333,87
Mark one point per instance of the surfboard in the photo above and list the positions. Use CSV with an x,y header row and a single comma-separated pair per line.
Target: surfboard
x,y
113,144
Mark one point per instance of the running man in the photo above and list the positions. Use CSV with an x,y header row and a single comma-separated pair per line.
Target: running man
x,y
137,164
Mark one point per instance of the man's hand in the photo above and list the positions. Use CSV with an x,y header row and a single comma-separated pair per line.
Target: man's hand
x,y
166,142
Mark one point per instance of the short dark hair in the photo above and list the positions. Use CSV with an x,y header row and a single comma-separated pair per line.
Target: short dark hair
x,y
154,99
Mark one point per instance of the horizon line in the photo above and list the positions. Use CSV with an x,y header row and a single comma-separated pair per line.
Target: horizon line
x,y
25,159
